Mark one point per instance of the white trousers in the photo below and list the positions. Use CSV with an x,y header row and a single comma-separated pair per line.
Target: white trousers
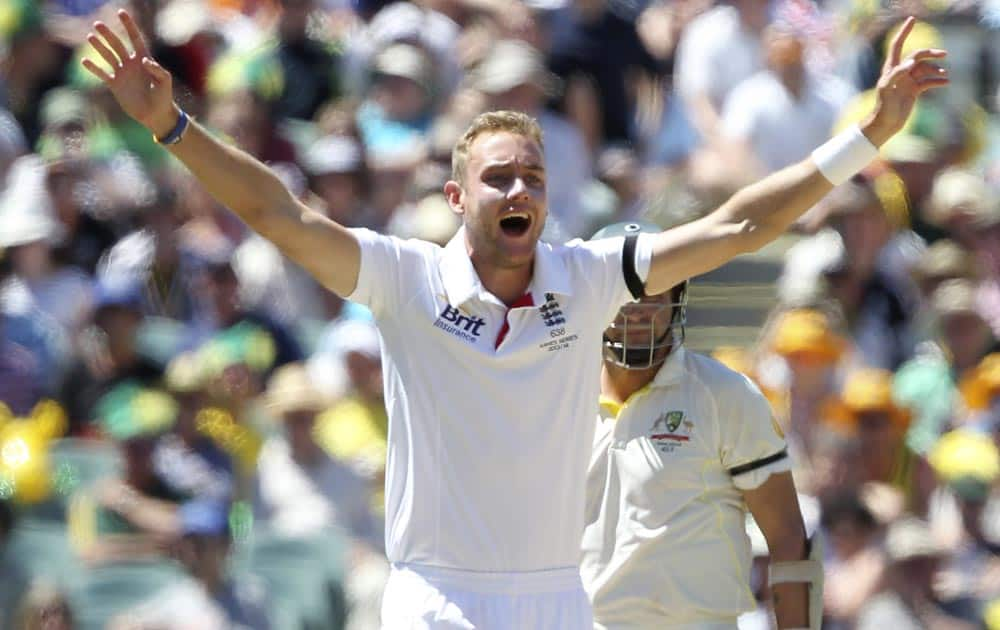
x,y
419,597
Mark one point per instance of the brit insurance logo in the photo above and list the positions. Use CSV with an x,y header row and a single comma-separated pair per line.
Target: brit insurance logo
x,y
670,430
460,324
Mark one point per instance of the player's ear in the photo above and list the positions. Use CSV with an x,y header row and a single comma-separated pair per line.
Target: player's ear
x,y
455,195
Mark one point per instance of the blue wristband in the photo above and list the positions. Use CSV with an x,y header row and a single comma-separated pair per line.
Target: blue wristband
x,y
176,133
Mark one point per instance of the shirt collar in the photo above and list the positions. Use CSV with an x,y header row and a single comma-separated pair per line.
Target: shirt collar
x,y
461,282
672,369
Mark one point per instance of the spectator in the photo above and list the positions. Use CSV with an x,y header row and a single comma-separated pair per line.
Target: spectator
x,y
717,51
786,93
109,354
808,352
908,602
310,67
133,515
866,411
29,232
211,599
968,465
301,489
398,108
855,567
928,383
188,461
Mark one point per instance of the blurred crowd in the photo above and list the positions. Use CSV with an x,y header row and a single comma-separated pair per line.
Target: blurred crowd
x,y
192,431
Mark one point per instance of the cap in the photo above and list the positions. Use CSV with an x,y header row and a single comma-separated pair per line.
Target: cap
x,y
967,461
291,389
512,63
332,154
62,105
407,61
807,331
132,411
955,297
245,343
957,190
867,390
945,259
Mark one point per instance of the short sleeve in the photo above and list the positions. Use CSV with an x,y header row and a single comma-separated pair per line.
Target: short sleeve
x,y
605,272
752,444
390,270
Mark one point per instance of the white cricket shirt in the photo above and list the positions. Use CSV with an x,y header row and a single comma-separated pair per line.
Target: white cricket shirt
x,y
665,544
488,445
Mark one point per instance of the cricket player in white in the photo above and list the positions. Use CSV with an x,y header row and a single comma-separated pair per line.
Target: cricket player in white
x,y
490,342
683,447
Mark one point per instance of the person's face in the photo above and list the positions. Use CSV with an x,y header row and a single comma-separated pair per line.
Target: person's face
x,y
340,192
224,291
848,537
31,261
120,325
139,461
63,188
299,427
865,232
640,326
401,99
810,373
966,336
784,52
877,437
503,200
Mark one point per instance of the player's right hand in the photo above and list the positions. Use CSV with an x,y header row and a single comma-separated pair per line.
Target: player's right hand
x,y
140,85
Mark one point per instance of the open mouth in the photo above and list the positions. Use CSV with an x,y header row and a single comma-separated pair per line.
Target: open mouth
x,y
515,224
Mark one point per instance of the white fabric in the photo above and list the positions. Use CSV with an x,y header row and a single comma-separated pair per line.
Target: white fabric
x,y
488,447
296,500
761,110
844,155
568,169
715,54
447,599
665,544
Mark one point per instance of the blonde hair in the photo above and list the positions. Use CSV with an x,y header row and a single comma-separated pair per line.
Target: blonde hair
x,y
492,122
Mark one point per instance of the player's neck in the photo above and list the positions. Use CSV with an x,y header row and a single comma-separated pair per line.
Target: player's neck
x,y
508,284
618,383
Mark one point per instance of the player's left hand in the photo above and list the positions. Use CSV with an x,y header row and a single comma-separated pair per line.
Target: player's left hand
x,y
901,83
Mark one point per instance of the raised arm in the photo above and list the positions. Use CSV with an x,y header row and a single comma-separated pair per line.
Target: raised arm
x,y
234,178
759,213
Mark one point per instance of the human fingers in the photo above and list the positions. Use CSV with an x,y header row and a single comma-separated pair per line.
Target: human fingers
x,y
97,71
927,53
103,51
138,43
896,49
113,40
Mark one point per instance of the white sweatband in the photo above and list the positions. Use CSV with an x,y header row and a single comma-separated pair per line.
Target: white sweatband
x,y
843,155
